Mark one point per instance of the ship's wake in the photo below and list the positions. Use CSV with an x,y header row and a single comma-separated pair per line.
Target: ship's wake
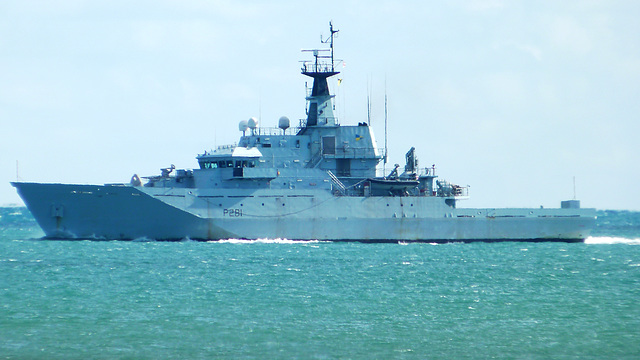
x,y
610,240
266,241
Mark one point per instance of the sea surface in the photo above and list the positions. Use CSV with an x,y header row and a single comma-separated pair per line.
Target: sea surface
x,y
281,299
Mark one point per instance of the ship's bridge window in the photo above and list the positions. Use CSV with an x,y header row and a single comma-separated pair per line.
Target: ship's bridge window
x,y
245,163
209,164
225,164
220,164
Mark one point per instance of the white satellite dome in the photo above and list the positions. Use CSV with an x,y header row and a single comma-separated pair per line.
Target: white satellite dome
x,y
243,125
253,123
283,123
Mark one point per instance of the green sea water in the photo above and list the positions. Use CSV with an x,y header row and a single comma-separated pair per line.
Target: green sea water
x,y
279,299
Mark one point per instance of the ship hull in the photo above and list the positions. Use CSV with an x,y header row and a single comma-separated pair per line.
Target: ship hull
x,y
66,211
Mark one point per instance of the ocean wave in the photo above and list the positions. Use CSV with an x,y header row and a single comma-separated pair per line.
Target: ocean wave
x,y
611,240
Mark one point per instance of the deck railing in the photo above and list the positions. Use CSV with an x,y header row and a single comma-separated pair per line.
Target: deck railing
x,y
355,153
273,131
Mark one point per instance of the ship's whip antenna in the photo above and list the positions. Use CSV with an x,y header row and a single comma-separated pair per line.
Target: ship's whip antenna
x,y
385,123
574,188
306,104
260,106
368,102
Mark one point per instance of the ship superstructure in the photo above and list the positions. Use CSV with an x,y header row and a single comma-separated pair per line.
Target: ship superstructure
x,y
314,181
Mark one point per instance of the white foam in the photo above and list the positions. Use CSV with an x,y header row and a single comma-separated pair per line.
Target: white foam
x,y
143,239
266,241
611,240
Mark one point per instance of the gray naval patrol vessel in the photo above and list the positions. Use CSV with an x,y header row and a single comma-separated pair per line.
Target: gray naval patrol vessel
x,y
313,182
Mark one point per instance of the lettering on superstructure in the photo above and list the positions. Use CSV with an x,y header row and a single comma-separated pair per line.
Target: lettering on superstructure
x,y
232,212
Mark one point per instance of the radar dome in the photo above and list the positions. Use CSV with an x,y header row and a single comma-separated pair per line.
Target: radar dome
x,y
253,123
243,125
283,123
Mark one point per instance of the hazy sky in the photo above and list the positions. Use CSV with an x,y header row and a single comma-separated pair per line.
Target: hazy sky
x,y
513,98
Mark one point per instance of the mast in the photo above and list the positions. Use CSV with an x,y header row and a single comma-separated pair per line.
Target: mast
x,y
330,42
320,110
